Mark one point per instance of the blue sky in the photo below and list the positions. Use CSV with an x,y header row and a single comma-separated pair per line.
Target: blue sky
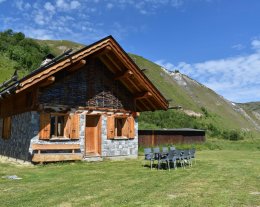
x,y
216,42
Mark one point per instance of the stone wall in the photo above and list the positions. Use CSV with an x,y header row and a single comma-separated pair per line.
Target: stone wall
x,y
117,147
24,133
24,127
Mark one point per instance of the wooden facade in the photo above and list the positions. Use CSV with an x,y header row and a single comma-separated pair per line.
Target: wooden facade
x,y
150,138
84,96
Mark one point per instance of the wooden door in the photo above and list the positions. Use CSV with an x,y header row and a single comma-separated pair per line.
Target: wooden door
x,y
93,135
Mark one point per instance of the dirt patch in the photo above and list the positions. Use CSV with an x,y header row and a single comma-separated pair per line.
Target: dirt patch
x,y
13,161
254,193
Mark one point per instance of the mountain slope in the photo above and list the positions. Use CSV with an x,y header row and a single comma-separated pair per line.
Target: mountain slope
x,y
194,98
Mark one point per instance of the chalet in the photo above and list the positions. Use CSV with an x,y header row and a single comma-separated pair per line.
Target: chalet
x,y
78,106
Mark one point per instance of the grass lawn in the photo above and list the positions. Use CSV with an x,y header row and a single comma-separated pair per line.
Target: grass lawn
x,y
220,178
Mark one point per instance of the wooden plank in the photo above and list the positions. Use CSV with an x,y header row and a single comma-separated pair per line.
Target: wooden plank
x,y
55,146
77,66
110,127
45,126
92,134
47,81
143,95
74,126
131,123
7,128
51,157
125,74
115,61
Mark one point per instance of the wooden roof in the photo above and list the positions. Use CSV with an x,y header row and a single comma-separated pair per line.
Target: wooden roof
x,y
147,96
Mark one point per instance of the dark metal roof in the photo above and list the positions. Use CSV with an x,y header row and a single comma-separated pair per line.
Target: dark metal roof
x,y
173,130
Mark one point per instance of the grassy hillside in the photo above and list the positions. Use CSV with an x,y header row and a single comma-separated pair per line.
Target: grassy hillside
x,y
192,95
57,47
204,107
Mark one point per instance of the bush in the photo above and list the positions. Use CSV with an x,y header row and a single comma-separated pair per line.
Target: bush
x,y
232,135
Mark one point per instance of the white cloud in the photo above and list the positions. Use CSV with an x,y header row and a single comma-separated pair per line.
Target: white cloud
x,y
1,1
74,4
67,5
110,6
238,47
49,7
256,44
39,19
236,78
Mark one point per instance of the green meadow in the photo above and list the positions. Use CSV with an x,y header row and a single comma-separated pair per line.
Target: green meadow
x,y
220,177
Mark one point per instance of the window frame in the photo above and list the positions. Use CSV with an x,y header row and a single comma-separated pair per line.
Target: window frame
x,y
56,126
124,125
70,126
127,129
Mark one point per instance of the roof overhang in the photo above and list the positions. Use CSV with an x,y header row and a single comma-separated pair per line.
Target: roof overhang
x,y
146,96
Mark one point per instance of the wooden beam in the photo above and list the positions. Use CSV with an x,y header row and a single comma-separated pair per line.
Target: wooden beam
x,y
142,95
123,75
142,106
48,81
77,66
55,146
115,62
103,52
52,157
109,66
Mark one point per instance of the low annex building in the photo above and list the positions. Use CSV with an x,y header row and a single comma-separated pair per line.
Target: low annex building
x,y
81,105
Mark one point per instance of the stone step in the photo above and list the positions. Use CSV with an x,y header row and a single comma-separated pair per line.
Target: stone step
x,y
93,159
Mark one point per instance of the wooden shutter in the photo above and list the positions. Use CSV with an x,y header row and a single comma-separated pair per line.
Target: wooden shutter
x,y
125,129
74,126
67,120
1,127
7,128
110,127
45,126
131,124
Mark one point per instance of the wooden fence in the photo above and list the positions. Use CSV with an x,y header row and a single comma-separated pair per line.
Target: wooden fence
x,y
149,138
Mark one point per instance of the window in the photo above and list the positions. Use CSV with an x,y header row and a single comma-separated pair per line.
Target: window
x,y
53,126
57,125
120,127
6,128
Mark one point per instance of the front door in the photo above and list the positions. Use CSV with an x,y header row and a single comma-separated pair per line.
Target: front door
x,y
93,135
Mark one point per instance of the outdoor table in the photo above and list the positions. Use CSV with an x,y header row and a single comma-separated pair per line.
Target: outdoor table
x,y
160,155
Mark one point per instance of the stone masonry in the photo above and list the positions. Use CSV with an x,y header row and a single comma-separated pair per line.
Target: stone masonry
x,y
117,147
24,127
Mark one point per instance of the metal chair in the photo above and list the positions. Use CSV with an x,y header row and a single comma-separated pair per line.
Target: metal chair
x,y
186,157
156,153
148,155
178,155
165,150
192,154
170,158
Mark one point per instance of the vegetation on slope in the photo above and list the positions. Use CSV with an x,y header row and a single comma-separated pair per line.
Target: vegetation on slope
x,y
218,115
19,53
58,47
